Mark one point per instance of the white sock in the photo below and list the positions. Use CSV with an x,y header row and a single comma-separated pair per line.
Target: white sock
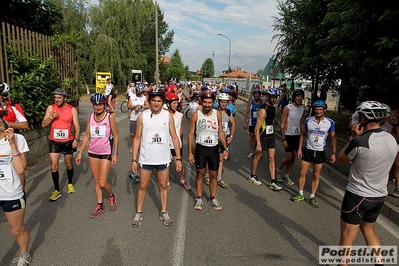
x,y
311,196
219,178
301,192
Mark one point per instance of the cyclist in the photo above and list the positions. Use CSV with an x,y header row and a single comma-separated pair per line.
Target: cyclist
x,y
61,117
15,118
250,118
264,134
229,106
291,120
137,104
172,100
102,134
227,120
207,147
314,133
154,126
371,153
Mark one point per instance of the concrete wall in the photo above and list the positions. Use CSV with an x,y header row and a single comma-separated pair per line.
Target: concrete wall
x,y
38,142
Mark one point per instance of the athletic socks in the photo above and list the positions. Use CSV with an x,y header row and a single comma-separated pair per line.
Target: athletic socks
x,y
70,175
56,176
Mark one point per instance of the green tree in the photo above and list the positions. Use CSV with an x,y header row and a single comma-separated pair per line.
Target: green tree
x,y
207,68
176,68
37,15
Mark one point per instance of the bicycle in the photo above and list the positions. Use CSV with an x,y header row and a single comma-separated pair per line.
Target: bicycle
x,y
124,104
185,109
307,108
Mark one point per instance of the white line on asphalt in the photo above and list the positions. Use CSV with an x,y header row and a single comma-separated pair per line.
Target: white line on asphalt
x,y
384,222
180,236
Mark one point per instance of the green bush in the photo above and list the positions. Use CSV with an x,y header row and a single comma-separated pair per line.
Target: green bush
x,y
33,81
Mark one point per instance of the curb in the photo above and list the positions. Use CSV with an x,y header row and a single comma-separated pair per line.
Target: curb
x,y
390,211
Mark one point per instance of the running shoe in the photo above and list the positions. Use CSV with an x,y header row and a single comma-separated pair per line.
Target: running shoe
x,y
278,177
254,180
113,203
135,177
250,155
55,195
168,185
97,211
273,186
198,202
138,217
312,202
22,261
297,198
71,188
206,181
215,204
164,216
288,180
222,184
395,193
185,184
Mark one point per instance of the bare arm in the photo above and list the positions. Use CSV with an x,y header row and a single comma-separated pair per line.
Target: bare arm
x,y
137,141
283,120
259,120
114,129
85,140
47,119
176,143
76,126
246,116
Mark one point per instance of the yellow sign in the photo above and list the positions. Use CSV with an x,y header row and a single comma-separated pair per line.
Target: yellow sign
x,y
101,79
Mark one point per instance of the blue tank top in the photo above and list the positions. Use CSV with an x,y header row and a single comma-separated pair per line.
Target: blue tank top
x,y
253,112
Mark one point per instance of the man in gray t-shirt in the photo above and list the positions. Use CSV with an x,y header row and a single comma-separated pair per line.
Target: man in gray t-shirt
x,y
372,152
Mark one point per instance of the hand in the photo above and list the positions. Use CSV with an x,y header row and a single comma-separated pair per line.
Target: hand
x,y
245,126
225,154
357,129
134,167
114,159
54,115
299,154
9,135
74,144
285,144
333,158
179,166
258,148
229,139
191,158
78,159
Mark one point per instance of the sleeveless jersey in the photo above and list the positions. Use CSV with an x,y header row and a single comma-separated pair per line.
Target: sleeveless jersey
x,y
14,113
155,148
267,128
253,112
108,89
177,117
10,184
207,129
317,133
135,100
292,125
226,121
61,127
100,136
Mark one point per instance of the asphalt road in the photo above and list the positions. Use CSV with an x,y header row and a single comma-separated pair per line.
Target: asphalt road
x,y
257,226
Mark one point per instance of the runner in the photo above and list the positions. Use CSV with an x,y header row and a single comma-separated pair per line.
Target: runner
x,y
153,127
314,133
12,198
102,132
172,101
291,121
250,118
61,117
264,135
206,124
371,153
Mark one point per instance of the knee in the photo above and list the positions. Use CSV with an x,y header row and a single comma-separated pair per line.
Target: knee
x,y
54,168
102,183
163,185
17,231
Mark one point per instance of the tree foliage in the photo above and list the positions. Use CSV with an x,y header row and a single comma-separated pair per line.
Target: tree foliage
x,y
207,68
37,15
329,40
176,68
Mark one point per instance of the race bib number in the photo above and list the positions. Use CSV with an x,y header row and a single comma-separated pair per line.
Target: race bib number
x,y
98,131
5,172
60,133
269,129
225,126
156,138
255,114
208,140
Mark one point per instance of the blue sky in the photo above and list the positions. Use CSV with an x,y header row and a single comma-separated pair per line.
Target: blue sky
x,y
248,24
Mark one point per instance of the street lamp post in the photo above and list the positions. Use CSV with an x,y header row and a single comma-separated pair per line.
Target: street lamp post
x,y
228,70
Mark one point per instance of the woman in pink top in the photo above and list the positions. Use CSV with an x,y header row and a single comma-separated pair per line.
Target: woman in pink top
x,y
102,131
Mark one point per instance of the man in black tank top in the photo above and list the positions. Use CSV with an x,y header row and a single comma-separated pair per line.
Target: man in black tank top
x,y
264,135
